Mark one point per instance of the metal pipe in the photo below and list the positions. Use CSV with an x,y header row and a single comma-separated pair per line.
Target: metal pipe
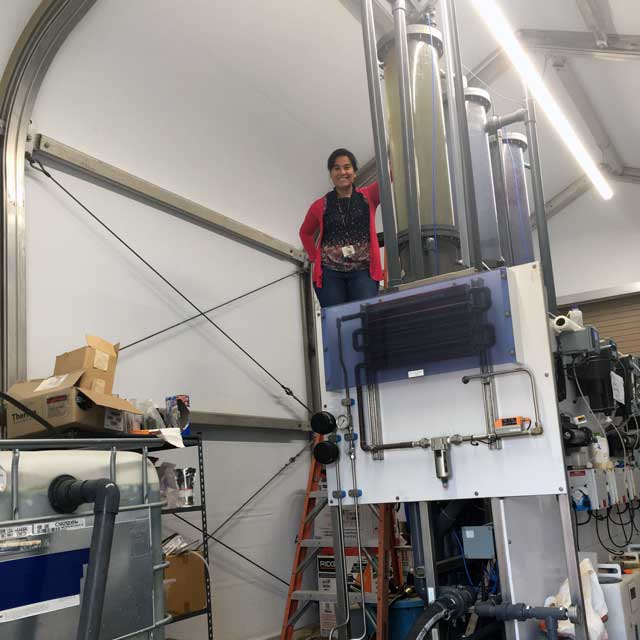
x,y
494,374
66,494
380,144
456,104
495,144
406,122
354,479
498,122
340,562
538,199
15,484
112,464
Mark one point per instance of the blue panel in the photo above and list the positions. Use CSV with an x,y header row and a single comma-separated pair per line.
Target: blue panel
x,y
40,578
499,315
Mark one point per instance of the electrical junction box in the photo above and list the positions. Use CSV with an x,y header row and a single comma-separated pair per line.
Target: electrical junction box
x,y
588,489
585,340
478,542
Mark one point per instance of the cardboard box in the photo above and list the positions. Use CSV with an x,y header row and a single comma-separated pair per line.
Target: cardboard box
x,y
185,589
97,360
368,526
59,401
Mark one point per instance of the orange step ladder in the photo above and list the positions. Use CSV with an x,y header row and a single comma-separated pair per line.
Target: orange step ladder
x,y
308,549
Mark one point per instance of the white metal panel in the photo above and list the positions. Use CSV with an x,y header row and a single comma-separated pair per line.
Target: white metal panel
x,y
442,405
536,569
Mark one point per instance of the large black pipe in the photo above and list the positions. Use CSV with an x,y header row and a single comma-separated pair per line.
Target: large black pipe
x,y
417,549
66,494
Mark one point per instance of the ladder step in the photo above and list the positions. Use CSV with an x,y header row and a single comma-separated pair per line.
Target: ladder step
x,y
328,542
320,493
321,596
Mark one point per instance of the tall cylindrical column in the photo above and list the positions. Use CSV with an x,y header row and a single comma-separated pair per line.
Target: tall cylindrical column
x,y
538,203
517,198
478,104
440,237
499,187
380,143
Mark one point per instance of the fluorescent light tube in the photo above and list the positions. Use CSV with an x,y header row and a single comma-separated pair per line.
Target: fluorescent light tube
x,y
501,30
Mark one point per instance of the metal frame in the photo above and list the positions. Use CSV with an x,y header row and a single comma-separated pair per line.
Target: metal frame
x,y
600,295
37,46
203,420
202,508
581,43
596,15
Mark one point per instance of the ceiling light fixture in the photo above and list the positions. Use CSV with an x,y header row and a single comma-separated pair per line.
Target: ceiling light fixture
x,y
502,31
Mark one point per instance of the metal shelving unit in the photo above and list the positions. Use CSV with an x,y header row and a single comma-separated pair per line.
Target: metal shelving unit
x,y
196,441
146,445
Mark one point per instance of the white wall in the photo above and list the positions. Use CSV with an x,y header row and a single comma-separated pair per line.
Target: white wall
x,y
594,244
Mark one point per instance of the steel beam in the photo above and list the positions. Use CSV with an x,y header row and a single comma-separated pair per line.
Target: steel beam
x,y
596,15
37,46
629,174
580,43
205,419
382,16
106,175
489,70
569,43
564,198
583,105
580,186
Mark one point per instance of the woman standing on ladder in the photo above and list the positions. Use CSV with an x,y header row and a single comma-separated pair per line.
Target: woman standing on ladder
x,y
346,254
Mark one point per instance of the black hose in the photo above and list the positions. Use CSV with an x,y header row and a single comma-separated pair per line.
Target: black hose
x,y
447,517
66,494
428,619
417,549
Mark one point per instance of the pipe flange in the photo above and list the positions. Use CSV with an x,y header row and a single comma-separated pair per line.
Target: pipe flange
x,y
430,35
517,139
478,95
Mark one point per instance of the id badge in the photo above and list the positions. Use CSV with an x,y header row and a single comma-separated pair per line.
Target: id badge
x,y
348,251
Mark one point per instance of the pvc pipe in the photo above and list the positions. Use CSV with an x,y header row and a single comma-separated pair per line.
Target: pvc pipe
x,y
406,122
538,200
380,144
457,108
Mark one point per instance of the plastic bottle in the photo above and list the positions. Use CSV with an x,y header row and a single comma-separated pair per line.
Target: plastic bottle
x,y
576,315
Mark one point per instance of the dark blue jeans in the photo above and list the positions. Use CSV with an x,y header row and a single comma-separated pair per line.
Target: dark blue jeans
x,y
345,286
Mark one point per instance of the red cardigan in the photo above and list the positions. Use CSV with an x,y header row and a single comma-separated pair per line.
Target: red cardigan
x,y
314,221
